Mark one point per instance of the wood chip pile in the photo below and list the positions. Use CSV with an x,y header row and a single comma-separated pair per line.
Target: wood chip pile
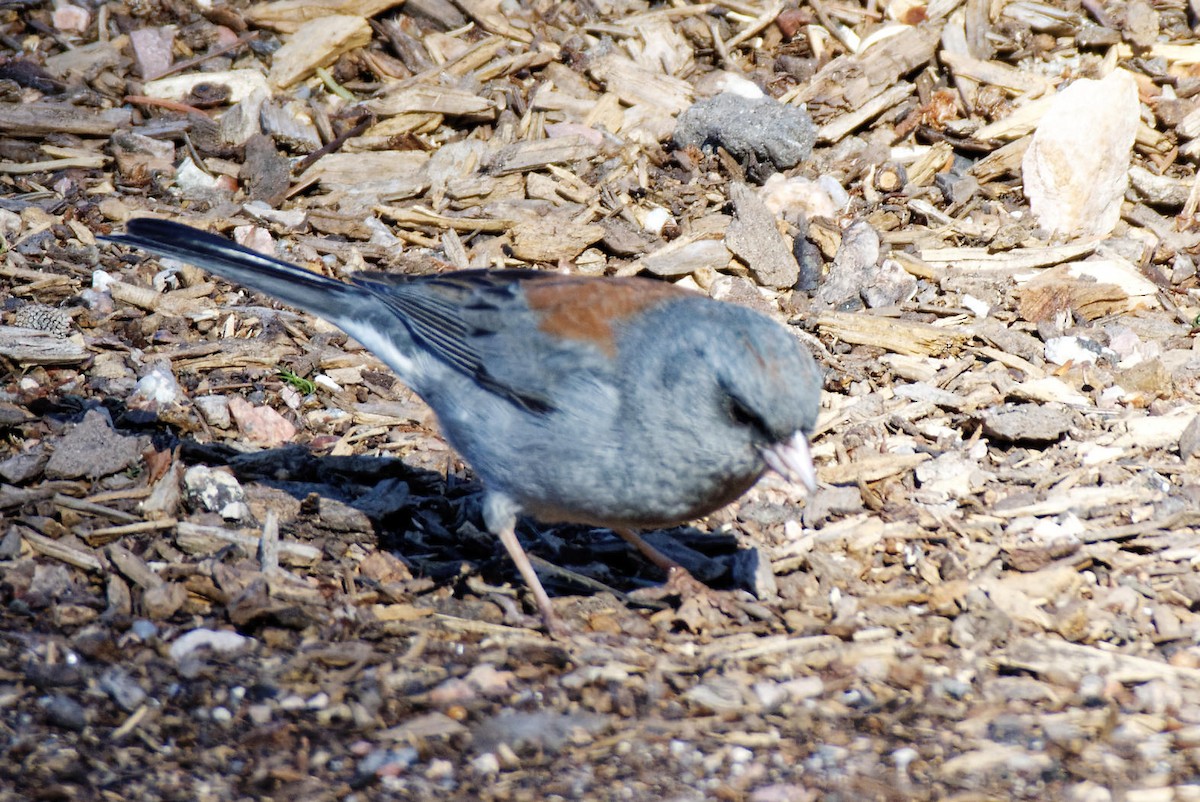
x,y
236,561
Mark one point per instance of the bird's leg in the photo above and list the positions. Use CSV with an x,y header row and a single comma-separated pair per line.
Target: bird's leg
x,y
679,579
554,624
500,515
649,552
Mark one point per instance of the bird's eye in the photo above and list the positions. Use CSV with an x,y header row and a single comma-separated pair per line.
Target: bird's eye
x,y
743,415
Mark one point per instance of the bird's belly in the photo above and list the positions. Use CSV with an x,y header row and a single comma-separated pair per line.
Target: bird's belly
x,y
592,469
603,502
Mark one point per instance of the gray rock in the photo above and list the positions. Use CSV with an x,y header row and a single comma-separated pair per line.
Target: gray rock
x,y
854,267
122,688
64,712
890,285
752,571
216,491
24,466
10,544
754,238
92,449
741,290
1189,441
1026,423
764,135
830,502
542,730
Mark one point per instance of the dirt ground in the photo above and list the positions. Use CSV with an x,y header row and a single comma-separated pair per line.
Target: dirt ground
x,y
237,562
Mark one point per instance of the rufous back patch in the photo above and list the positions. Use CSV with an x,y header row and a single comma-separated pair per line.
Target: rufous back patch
x,y
579,308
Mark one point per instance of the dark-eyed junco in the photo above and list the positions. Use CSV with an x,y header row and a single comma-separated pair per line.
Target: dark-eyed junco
x,y
619,402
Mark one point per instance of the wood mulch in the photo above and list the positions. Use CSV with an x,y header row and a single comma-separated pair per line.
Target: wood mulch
x,y
236,561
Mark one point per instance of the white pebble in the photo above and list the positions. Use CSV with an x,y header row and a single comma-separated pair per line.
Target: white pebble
x,y
487,763
222,641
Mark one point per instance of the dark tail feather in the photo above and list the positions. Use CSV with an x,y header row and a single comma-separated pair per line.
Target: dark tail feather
x,y
316,294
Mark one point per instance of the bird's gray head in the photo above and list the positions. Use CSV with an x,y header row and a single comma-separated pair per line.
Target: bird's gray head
x,y
777,402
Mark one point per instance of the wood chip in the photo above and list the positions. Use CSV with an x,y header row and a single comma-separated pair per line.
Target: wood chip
x,y
898,336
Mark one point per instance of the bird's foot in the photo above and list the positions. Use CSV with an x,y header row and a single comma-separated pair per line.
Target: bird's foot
x,y
557,628
547,617
700,607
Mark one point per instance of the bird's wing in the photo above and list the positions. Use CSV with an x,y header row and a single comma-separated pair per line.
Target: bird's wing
x,y
472,320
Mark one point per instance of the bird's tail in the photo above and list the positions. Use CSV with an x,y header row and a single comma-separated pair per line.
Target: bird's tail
x,y
333,300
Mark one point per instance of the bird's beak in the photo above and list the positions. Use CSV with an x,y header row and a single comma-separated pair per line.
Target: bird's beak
x,y
793,461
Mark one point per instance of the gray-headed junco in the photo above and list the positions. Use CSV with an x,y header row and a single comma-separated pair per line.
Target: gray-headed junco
x,y
619,402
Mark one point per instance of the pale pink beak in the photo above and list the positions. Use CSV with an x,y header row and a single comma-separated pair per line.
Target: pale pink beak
x,y
793,461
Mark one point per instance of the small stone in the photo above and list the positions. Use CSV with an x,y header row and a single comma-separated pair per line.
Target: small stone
x,y
544,730
890,285
770,695
1092,690
764,135
70,18
196,184
157,389
752,571
22,467
1009,728
338,516
92,449
1026,423
261,425
1092,35
163,601
118,598
141,158
904,756
740,754
718,696
1075,350
854,267
740,290
1148,378
10,544
439,770
487,763
50,582
388,762
215,409
222,641
291,702
952,688
803,688
13,415
754,238
1189,441
1077,164
216,491
63,711
832,502
951,474
144,629
122,689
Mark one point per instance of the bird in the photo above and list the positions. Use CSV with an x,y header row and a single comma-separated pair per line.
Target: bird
x,y
627,403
